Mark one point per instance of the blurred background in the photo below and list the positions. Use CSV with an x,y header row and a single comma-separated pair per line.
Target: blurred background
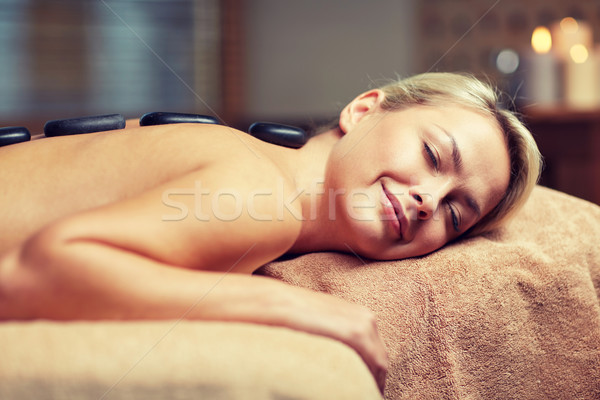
x,y
299,62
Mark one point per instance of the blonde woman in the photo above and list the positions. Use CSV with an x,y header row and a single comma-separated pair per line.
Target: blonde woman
x,y
170,221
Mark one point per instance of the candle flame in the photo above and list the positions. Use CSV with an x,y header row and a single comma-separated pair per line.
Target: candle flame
x,y
541,40
569,25
579,54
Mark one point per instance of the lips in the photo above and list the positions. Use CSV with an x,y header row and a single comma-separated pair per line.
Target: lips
x,y
394,212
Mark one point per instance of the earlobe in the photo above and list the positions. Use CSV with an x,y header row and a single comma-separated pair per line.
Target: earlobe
x,y
364,104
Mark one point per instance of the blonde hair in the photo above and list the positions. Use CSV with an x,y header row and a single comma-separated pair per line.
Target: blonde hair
x,y
437,88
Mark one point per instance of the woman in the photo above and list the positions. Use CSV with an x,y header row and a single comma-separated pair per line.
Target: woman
x,y
94,225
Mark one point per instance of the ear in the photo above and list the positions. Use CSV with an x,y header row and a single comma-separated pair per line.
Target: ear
x,y
362,105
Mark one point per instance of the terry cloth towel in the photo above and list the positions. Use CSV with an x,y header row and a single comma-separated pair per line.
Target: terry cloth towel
x,y
513,314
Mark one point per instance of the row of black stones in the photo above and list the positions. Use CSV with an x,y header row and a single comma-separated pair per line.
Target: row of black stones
x,y
282,135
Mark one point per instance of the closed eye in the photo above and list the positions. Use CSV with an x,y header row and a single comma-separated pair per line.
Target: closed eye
x,y
454,218
431,156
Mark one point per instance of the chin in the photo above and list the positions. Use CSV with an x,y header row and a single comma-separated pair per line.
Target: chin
x,y
374,248
368,238
385,254
385,250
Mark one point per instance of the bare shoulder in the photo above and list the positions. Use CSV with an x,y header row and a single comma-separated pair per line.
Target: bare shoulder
x,y
242,202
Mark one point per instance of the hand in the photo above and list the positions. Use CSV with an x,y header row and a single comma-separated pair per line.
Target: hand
x,y
362,335
349,323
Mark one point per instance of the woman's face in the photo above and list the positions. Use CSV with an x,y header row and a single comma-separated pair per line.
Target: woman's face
x,y
406,182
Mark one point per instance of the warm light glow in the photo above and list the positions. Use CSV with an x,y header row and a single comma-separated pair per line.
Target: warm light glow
x,y
579,53
569,25
541,40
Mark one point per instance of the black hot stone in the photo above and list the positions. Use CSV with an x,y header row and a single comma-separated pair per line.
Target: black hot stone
x,y
74,126
13,135
162,118
282,135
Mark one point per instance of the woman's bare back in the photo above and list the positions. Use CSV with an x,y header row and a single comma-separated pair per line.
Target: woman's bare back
x,y
47,179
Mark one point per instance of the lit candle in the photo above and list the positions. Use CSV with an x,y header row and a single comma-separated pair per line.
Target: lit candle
x,y
569,32
581,77
542,83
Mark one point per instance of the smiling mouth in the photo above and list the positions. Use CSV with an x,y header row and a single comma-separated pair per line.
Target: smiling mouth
x,y
395,212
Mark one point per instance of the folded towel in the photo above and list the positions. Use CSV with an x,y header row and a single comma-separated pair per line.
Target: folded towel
x,y
510,314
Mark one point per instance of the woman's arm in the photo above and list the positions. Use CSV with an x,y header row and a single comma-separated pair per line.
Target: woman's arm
x,y
90,280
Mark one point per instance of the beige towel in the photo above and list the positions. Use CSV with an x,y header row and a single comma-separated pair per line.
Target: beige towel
x,y
513,314
167,360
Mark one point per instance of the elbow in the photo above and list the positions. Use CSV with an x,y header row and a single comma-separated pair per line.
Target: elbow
x,y
13,287
28,274
43,247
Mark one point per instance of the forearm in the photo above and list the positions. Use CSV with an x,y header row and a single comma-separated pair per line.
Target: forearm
x,y
87,280
80,279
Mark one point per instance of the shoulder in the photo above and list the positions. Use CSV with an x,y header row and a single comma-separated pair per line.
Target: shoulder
x,y
226,215
241,188
244,203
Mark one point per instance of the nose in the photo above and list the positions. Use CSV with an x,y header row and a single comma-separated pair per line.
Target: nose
x,y
425,205
427,196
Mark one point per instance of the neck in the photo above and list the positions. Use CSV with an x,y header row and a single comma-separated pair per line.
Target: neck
x,y
318,230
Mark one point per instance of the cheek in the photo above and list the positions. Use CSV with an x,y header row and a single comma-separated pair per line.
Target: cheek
x,y
430,237
355,168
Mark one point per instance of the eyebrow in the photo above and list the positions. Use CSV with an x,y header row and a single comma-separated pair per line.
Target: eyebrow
x,y
458,163
456,156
